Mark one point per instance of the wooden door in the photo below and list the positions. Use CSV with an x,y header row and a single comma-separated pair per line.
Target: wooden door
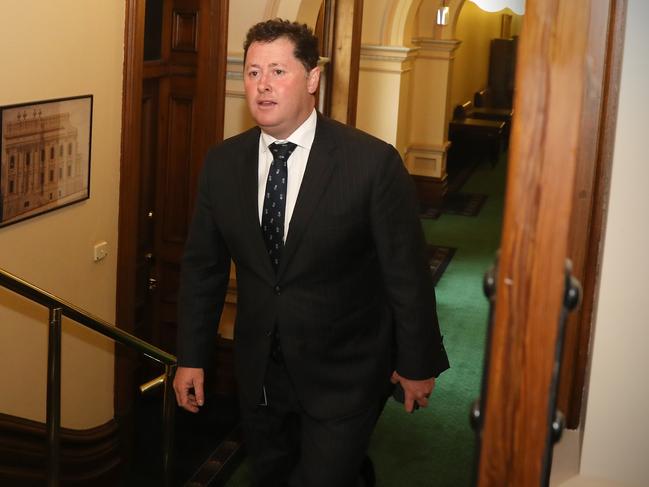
x,y
556,77
177,146
174,96
339,29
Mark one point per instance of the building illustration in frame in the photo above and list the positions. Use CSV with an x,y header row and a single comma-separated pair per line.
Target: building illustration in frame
x,y
45,157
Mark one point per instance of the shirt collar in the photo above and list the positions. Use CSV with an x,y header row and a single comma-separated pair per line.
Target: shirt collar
x,y
302,136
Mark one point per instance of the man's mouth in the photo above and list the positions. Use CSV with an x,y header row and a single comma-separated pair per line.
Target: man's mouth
x,y
266,103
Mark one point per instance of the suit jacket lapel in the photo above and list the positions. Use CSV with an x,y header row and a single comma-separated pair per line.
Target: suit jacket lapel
x,y
319,168
248,175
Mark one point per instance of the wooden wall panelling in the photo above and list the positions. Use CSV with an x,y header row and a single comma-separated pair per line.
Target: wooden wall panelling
x,y
89,456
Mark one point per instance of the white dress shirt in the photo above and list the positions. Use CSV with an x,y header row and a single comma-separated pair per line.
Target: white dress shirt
x,y
303,139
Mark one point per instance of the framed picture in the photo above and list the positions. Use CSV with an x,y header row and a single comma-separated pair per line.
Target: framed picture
x,y
44,156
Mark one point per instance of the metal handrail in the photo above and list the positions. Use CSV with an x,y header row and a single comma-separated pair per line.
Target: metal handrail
x,y
48,300
59,308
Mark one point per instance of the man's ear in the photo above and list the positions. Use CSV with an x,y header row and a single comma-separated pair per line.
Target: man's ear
x,y
313,79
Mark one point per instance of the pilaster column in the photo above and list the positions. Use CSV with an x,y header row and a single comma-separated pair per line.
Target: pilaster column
x,y
428,142
384,95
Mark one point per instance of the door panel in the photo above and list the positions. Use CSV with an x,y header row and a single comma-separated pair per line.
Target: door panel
x,y
174,99
174,183
179,124
177,137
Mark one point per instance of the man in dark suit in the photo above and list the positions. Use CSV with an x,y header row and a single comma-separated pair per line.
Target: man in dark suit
x,y
335,302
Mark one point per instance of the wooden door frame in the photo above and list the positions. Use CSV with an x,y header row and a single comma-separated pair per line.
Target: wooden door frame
x,y
586,243
213,66
554,78
343,21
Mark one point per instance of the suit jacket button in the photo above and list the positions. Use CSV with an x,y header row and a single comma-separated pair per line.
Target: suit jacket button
x,y
269,333
278,290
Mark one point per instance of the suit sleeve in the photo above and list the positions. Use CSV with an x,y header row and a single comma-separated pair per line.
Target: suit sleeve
x,y
401,248
204,280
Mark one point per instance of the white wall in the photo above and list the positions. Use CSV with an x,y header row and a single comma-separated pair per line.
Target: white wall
x,y
616,430
55,50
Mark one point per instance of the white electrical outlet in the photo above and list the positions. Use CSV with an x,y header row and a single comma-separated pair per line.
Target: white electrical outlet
x,y
100,251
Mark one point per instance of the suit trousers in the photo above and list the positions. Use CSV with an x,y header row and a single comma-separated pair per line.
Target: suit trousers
x,y
289,448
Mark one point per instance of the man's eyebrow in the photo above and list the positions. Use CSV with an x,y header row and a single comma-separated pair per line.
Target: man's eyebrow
x,y
271,65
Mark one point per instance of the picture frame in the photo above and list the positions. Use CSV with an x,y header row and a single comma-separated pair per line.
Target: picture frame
x,y
45,149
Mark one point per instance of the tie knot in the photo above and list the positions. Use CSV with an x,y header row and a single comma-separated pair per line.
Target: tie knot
x,y
283,151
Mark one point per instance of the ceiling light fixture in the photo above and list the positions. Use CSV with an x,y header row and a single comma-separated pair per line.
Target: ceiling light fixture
x,y
516,6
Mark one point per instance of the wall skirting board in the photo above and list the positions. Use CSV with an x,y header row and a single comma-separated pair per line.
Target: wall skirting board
x,y
88,456
430,190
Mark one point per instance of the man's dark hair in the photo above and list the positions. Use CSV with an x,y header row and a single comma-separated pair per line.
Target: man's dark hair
x,y
301,35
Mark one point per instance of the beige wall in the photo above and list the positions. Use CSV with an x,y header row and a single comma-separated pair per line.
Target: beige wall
x,y
374,18
242,16
385,77
616,431
475,28
383,104
54,50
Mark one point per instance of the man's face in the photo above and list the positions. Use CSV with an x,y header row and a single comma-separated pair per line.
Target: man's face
x,y
279,90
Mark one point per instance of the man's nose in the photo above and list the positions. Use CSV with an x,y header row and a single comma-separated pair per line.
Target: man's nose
x,y
263,83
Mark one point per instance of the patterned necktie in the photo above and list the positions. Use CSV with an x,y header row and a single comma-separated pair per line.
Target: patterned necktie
x,y
272,218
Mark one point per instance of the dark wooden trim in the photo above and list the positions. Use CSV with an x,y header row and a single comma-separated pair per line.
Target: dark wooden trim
x,y
430,191
327,10
222,462
357,25
88,457
128,197
518,399
157,69
212,72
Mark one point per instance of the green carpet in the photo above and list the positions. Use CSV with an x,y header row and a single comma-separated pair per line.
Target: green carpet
x,y
434,447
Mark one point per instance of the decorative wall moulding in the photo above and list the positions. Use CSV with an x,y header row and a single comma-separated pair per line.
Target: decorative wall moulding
x,y
437,49
388,59
44,156
387,53
234,68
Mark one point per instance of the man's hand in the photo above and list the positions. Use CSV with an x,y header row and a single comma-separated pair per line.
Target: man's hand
x,y
188,378
414,390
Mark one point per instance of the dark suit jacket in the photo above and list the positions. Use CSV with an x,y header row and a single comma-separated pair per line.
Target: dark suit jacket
x,y
352,298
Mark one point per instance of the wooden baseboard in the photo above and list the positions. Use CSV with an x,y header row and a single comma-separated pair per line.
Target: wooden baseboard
x,y
430,191
88,457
